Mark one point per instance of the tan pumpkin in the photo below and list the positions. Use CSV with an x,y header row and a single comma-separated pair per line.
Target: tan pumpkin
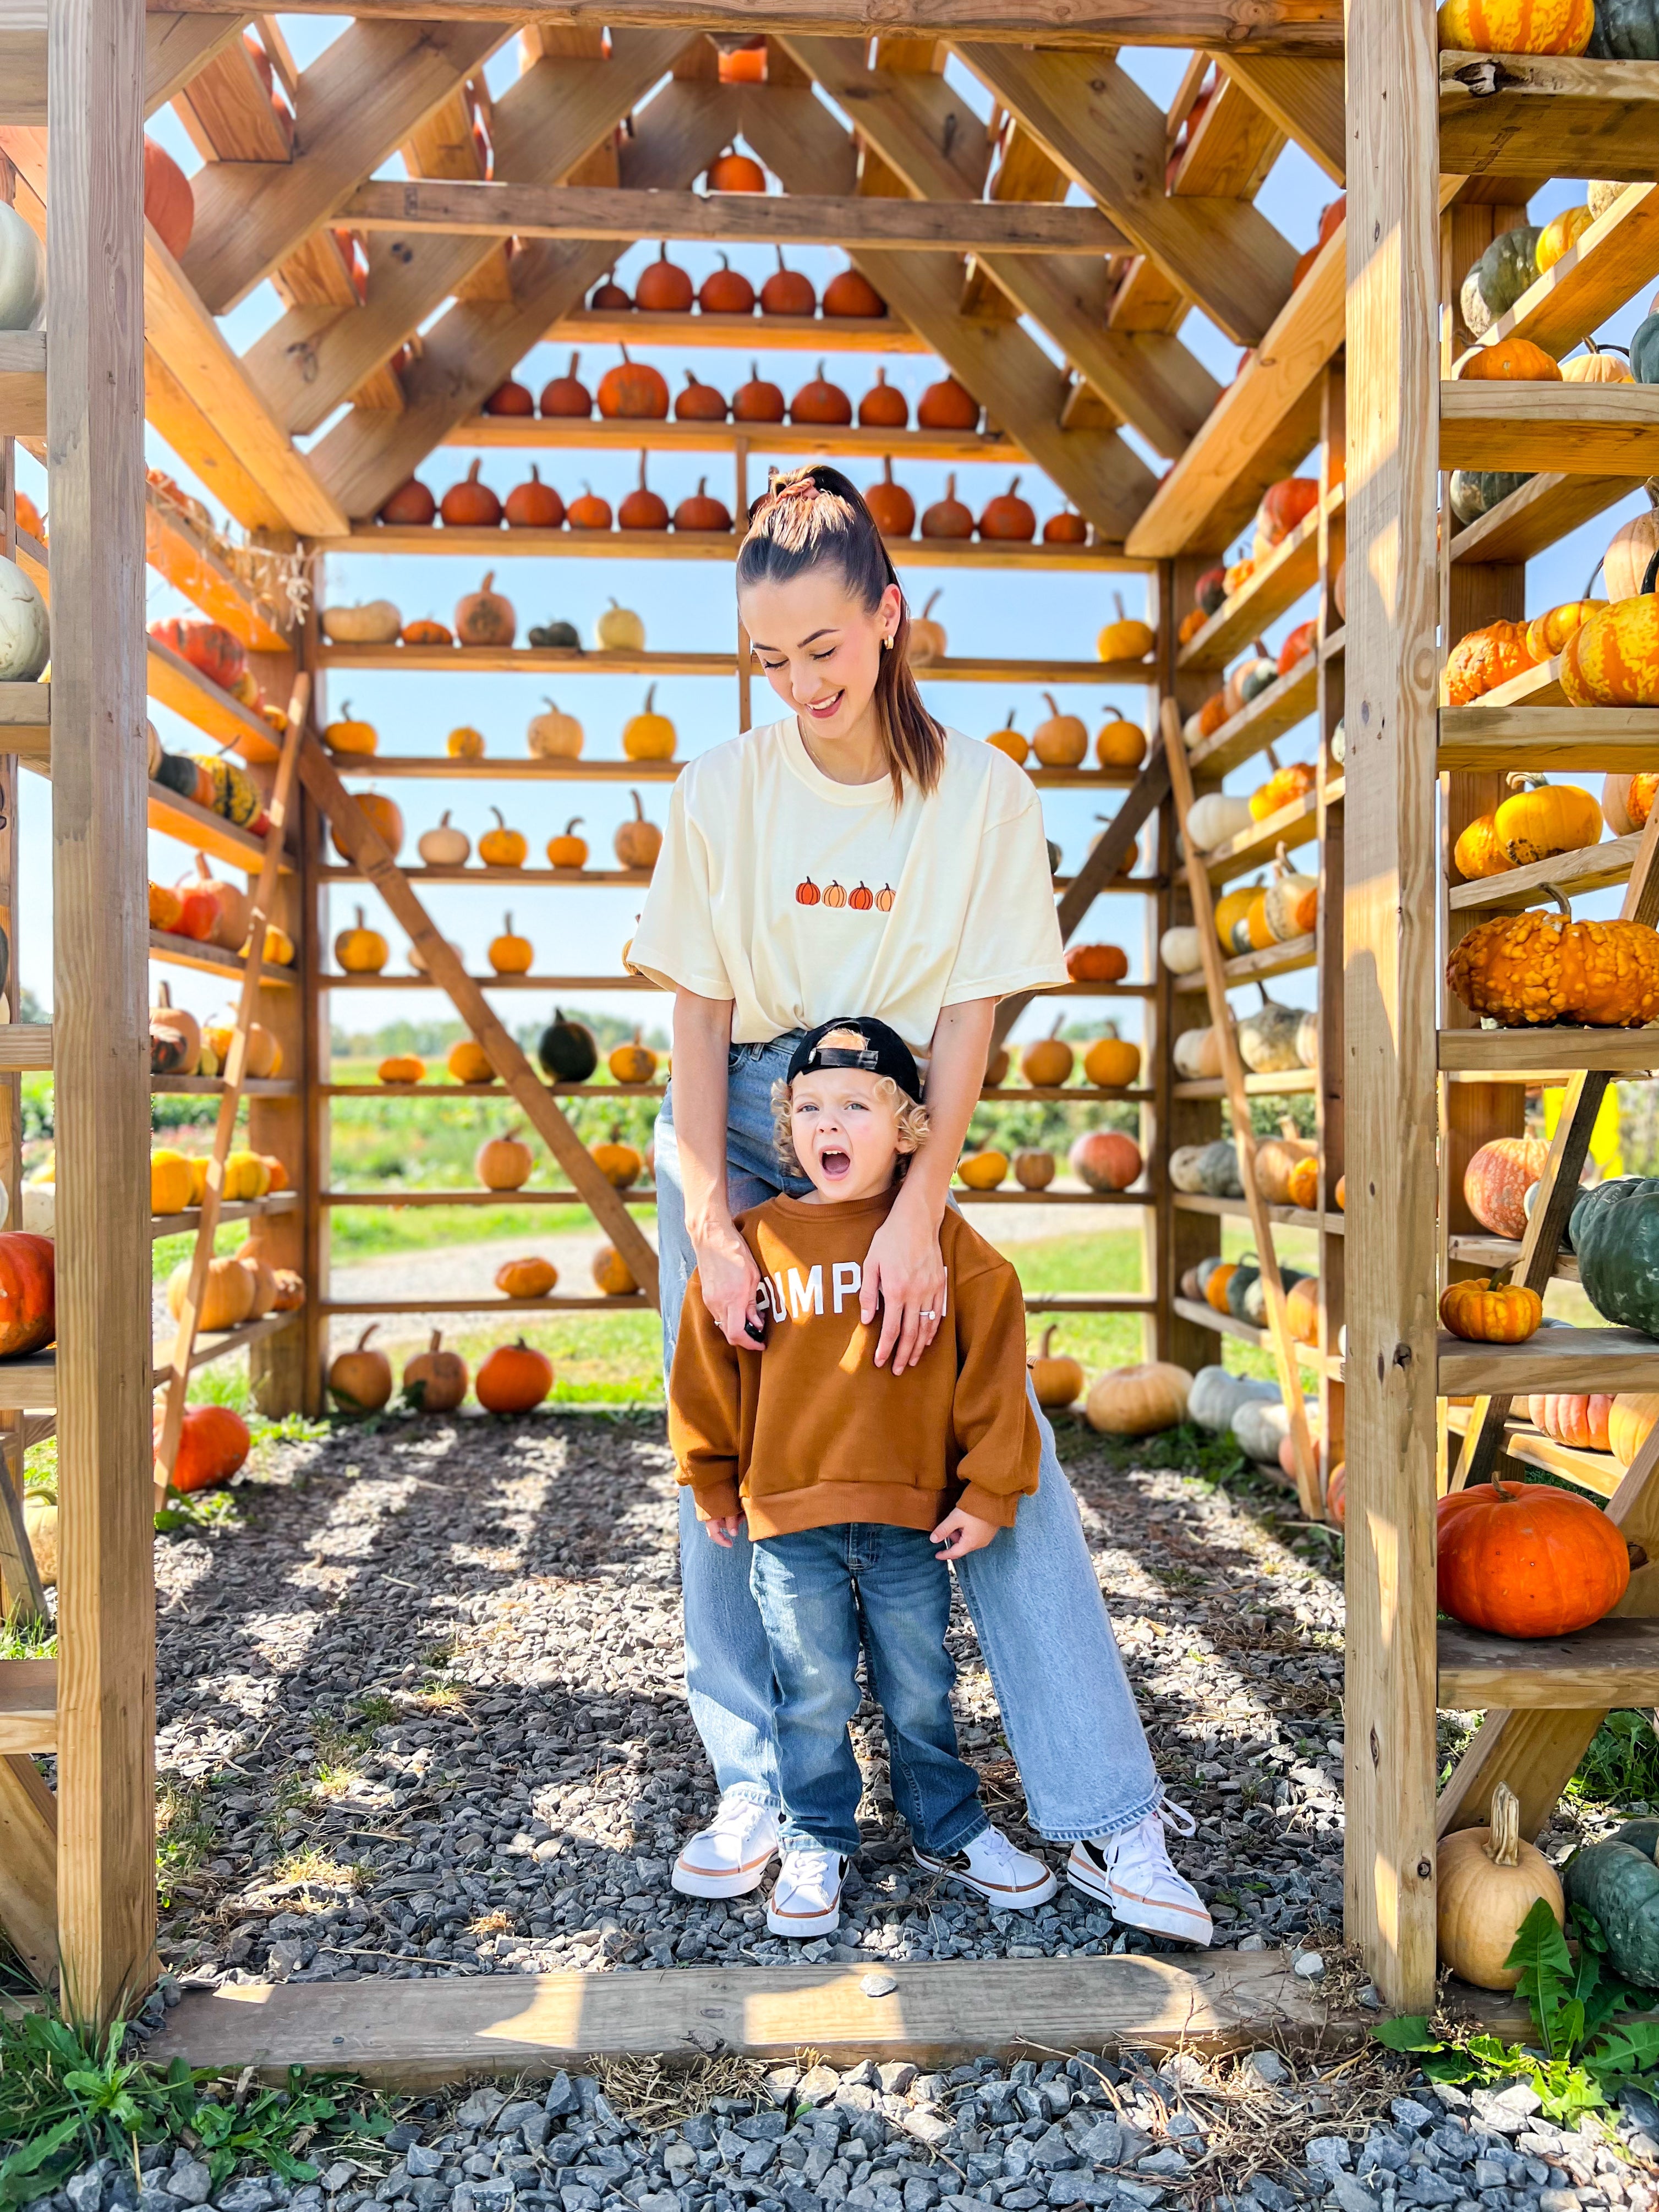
x,y
1275,1157
444,846
359,1380
1198,1054
1062,741
227,1297
526,1278
1056,1378
434,1380
1486,1882
613,1274
485,616
619,1163
637,841
1627,801
264,1280
555,735
1047,1063
983,1170
178,1022
1139,1400
1034,1169
929,642
503,1163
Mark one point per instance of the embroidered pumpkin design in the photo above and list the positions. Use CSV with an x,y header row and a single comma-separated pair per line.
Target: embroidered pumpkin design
x,y
835,895
884,899
807,894
862,899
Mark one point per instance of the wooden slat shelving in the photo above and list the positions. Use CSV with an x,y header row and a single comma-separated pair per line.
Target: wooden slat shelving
x,y
525,768
561,661
1615,1663
500,543
1289,573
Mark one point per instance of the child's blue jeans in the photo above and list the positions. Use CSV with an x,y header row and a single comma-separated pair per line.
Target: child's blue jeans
x,y
814,1588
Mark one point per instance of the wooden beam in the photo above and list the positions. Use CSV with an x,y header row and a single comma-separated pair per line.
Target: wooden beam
x,y
1006,370
357,103
107,1598
1108,138
229,115
176,549
1390,977
1286,27
502,210
1230,149
547,122
23,62
1304,98
1527,115
1023,172
444,968
28,1857
177,47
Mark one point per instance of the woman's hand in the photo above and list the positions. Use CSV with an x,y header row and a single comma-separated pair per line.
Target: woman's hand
x,y
731,1285
904,1273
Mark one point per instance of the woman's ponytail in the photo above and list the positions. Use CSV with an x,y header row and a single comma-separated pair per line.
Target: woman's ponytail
x,y
816,516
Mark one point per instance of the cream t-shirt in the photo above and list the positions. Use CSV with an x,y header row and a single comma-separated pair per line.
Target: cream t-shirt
x,y
799,898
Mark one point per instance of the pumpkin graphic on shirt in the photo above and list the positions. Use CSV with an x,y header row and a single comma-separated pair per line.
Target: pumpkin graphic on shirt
x,y
835,895
862,900
807,893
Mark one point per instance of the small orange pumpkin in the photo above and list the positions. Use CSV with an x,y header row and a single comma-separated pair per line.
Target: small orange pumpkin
x,y
1511,360
514,1378
1485,1312
532,1278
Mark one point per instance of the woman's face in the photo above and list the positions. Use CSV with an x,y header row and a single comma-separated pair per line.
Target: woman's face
x,y
820,648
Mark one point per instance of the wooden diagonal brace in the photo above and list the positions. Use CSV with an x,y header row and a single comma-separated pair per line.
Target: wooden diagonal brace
x,y
368,852
28,1865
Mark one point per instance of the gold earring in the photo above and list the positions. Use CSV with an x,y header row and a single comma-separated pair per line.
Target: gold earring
x,y
887,644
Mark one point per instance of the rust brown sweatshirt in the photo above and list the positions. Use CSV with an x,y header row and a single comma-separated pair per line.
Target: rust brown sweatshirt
x,y
810,1431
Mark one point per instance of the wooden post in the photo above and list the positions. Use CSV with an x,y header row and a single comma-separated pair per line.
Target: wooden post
x,y
1327,954
314,1065
1391,962
94,438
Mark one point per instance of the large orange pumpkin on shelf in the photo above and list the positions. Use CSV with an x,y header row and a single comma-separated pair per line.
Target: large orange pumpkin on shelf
x,y
1497,1178
567,394
727,291
1097,963
757,401
736,173
948,517
212,1444
534,505
1485,658
819,401
1105,1159
1511,360
532,1278
634,391
1485,1312
786,291
469,505
642,508
384,818
699,402
1548,633
948,405
892,506
1286,504
514,1378
850,293
1613,659
411,503
663,288
485,616
1009,516
1526,969
882,407
27,1286
1478,851
1525,1559
510,399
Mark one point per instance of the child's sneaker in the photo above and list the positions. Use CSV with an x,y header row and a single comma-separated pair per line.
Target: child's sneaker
x,y
1131,1872
730,1856
1012,1880
806,1898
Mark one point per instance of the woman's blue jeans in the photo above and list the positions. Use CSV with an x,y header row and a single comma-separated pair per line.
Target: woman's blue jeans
x,y
1041,1623
816,1590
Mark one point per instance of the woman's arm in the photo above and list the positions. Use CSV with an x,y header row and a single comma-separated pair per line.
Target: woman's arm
x,y
730,1278
904,1268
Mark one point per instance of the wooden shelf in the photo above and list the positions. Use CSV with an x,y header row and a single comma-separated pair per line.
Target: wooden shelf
x,y
23,384
222,1343
28,1706
745,334
492,1090
1289,571
212,959
1545,508
1257,967
548,660
1246,1331
522,768
188,1222
26,722
1591,868
203,831
213,1086
1291,1083
945,553
1483,1250
1578,740
1554,1359
1266,718
1580,430
25,1046
1615,1663
507,879
1289,1217
1617,1052
638,1195
29,1384
569,984
1533,115
176,548
595,434
175,684
1291,826
964,1196
576,1301
1087,1302
1616,257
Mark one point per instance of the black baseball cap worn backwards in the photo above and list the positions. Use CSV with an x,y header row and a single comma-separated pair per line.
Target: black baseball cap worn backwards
x,y
883,1052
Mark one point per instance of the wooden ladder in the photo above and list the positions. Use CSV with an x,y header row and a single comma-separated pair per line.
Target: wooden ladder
x,y
1232,1069
235,1074
368,850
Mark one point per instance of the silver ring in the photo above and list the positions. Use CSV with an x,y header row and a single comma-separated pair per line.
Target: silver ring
x,y
923,1313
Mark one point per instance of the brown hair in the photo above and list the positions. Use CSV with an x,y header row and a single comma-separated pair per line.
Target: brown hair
x,y
813,516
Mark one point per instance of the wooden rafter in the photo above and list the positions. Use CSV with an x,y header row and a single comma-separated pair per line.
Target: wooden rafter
x,y
357,103
445,145
1006,370
1304,99
28,1858
227,113
1024,174
1230,148
1108,138
176,47
502,210
556,114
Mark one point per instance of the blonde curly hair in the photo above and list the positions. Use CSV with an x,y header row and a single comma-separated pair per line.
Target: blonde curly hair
x,y
912,1122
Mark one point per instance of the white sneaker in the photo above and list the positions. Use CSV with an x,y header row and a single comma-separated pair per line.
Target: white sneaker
x,y
1131,1872
1010,1879
806,1898
730,1856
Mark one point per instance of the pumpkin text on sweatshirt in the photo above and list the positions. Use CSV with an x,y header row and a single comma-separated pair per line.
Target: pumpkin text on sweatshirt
x,y
809,1433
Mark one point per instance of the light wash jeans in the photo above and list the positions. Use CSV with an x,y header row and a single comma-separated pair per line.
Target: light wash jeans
x,y
1041,1624
815,1588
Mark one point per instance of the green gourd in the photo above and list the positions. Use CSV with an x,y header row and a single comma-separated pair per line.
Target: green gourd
x,y
1218,1170
1260,676
1645,351
1614,1230
1625,30
1267,1039
1617,1884
1504,272
557,633
1475,492
566,1050
1244,1276
177,773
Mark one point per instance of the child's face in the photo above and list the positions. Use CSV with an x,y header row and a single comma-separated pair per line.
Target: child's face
x,y
845,1133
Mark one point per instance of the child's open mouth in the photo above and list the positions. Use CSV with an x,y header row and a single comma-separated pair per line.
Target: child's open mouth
x,y
836,1164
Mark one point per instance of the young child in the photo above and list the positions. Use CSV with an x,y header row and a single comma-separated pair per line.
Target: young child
x,y
849,1477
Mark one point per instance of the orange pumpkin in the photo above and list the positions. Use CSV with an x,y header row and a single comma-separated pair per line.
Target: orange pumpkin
x,y
613,1274
736,173
534,505
1286,504
1097,963
635,391
1302,1308
1485,1312
1485,658
1008,516
469,504
1579,1419
27,1291
819,401
663,290
434,1380
169,198
1511,360
485,616
1497,1178
514,1378
1613,660
360,1379
1302,1186
853,295
532,1278
726,290
1296,647
212,1444
384,818
1105,1159
1526,1559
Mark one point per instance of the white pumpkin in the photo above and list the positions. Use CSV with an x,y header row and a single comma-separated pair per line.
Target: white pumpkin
x,y
1183,1167
25,626
40,1208
445,847
1289,898
619,629
1217,816
1216,1396
1339,742
1197,1054
1261,1424
1181,951
554,736
375,622
1307,1040
22,273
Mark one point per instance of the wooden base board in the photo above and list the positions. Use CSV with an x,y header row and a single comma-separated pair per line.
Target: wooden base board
x,y
417,2033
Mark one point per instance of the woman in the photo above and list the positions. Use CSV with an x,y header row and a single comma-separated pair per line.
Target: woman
x,y
856,858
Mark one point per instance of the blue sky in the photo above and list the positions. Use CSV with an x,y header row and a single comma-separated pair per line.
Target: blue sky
x,y
689,606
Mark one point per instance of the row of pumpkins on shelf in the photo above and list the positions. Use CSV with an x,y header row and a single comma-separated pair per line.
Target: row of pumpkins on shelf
x,y
637,842
209,910
635,391
1285,505
1529,970
1603,653
181,1045
217,655
1103,1160
1539,821
1613,1231
211,781
242,1287
1062,741
1110,1063
469,1063
1236,1287
1272,1040
513,1378
178,1180
380,622
665,288
554,735
1509,267
1286,1174
1606,30
1245,683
